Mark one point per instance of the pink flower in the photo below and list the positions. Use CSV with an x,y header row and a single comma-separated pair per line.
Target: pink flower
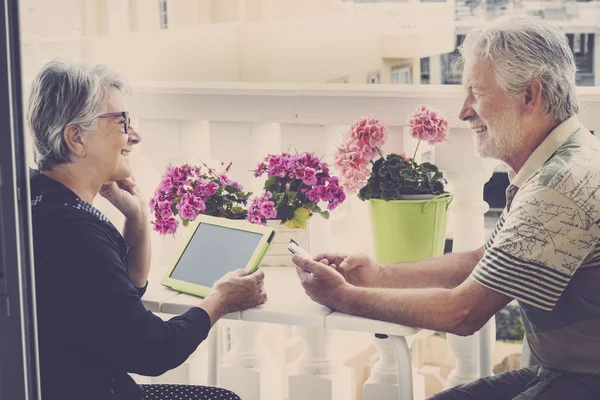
x,y
405,157
355,180
428,125
368,130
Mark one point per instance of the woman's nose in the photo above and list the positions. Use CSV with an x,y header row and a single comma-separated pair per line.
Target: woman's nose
x,y
134,136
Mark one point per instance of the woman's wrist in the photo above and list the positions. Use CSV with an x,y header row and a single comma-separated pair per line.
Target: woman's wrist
x,y
214,305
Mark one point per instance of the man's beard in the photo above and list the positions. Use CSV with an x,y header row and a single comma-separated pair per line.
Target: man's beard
x,y
502,137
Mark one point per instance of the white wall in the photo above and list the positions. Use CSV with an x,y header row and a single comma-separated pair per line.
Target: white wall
x,y
321,50
50,19
181,54
296,41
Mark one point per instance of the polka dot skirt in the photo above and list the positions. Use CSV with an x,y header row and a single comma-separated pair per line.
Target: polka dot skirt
x,y
186,392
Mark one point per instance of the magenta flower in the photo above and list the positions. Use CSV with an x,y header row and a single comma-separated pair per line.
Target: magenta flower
x,y
187,211
267,209
166,226
297,183
187,191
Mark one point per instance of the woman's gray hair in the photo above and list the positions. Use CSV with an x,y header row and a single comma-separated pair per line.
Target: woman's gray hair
x,y
67,94
525,48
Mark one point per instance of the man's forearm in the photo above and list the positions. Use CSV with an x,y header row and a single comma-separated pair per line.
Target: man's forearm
x,y
447,271
435,309
137,236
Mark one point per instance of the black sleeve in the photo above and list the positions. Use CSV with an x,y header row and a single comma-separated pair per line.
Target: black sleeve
x,y
142,291
107,307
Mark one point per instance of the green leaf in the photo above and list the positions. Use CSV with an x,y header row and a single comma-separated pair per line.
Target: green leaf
x,y
314,208
185,222
300,219
272,184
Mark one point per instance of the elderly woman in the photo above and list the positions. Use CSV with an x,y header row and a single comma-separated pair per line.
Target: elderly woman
x,y
93,328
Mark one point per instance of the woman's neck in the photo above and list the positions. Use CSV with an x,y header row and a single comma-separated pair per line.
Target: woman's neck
x,y
75,178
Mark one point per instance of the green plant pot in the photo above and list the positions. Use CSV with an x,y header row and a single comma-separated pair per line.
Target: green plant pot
x,y
409,230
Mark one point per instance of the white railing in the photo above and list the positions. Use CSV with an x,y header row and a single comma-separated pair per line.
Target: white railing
x,y
186,122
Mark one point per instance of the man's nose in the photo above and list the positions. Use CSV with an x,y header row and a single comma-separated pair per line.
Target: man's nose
x,y
466,112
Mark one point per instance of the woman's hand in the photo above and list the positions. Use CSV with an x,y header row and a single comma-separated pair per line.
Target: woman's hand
x,y
239,290
125,197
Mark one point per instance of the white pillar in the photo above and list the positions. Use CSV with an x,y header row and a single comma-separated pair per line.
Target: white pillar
x,y
144,15
266,139
194,139
467,175
316,375
240,371
416,71
597,59
383,383
435,70
92,18
117,14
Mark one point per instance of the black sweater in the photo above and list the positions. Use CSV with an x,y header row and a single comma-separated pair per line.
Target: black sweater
x,y
92,326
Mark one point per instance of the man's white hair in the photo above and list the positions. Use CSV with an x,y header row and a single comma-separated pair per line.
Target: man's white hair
x,y
66,94
525,48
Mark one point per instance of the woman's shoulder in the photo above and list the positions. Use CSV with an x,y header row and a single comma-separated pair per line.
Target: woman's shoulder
x,y
57,212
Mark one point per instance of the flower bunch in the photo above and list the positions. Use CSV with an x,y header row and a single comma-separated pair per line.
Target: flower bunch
x,y
295,185
188,190
389,177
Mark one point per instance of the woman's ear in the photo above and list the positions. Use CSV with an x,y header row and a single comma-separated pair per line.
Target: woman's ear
x,y
75,140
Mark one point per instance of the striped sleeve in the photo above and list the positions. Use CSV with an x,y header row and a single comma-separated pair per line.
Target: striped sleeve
x,y
499,225
543,240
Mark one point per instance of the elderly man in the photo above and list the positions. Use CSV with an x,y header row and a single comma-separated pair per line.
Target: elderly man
x,y
521,104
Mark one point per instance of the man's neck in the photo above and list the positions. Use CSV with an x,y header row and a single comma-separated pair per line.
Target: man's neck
x,y
76,178
531,140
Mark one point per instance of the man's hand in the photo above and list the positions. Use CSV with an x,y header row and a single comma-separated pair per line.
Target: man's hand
x,y
125,197
238,290
358,269
321,283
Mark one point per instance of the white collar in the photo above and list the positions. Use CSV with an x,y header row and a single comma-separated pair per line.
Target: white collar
x,y
544,151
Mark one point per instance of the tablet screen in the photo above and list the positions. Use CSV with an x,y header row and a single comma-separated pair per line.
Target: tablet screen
x,y
212,252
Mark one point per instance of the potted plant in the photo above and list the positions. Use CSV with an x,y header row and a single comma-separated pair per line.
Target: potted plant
x,y
408,201
297,186
188,190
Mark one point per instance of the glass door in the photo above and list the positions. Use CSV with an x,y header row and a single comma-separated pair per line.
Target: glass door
x,y
19,376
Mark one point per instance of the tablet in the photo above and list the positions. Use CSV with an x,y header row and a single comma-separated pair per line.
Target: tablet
x,y
214,247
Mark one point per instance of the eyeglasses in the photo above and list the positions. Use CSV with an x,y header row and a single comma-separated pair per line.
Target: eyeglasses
x,y
124,114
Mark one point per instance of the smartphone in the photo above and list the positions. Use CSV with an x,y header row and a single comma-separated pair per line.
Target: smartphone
x,y
295,248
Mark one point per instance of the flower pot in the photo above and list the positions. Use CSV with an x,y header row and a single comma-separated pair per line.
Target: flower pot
x,y
278,254
410,229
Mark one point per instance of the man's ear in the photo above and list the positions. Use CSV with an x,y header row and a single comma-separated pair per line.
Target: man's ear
x,y
533,97
75,140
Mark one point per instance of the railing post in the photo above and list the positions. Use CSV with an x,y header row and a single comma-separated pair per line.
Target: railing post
x,y
384,382
315,374
240,371
466,175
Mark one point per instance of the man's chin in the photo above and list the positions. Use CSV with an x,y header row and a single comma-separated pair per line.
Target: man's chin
x,y
484,151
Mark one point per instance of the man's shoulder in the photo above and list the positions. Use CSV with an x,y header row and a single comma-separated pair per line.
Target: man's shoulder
x,y
573,170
